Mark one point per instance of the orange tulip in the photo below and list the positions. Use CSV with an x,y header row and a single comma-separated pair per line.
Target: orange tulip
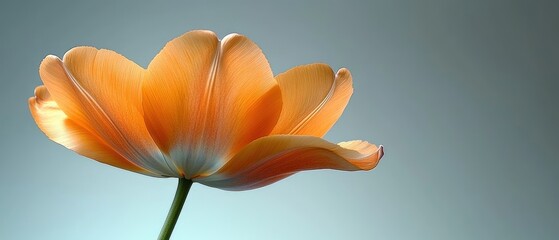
x,y
205,110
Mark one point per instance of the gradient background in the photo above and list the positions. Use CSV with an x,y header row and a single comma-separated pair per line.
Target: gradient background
x,y
462,94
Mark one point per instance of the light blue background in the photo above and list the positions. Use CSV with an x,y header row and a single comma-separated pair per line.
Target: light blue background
x,y
463,94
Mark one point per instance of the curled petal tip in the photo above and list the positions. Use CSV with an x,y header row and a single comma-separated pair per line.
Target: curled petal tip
x,y
50,56
235,38
41,94
232,35
381,151
342,72
39,90
48,59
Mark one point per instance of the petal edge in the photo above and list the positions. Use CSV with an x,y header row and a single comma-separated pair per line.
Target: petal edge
x,y
314,99
55,124
270,159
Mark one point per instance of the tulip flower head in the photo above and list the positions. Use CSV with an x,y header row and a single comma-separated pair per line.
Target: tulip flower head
x,y
204,110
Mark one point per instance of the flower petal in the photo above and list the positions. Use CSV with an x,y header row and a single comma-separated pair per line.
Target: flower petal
x,y
204,100
270,159
60,129
99,91
174,86
313,99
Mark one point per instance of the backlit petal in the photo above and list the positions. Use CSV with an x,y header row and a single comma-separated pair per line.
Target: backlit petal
x,y
175,84
204,99
59,128
270,159
173,92
313,99
99,90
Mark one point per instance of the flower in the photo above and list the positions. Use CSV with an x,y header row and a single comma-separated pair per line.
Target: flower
x,y
206,110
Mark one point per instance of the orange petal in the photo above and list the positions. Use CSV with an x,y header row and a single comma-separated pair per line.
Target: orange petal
x,y
204,100
174,86
99,91
270,159
313,99
59,128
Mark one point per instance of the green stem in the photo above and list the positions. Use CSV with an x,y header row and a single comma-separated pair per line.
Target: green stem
x,y
176,207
